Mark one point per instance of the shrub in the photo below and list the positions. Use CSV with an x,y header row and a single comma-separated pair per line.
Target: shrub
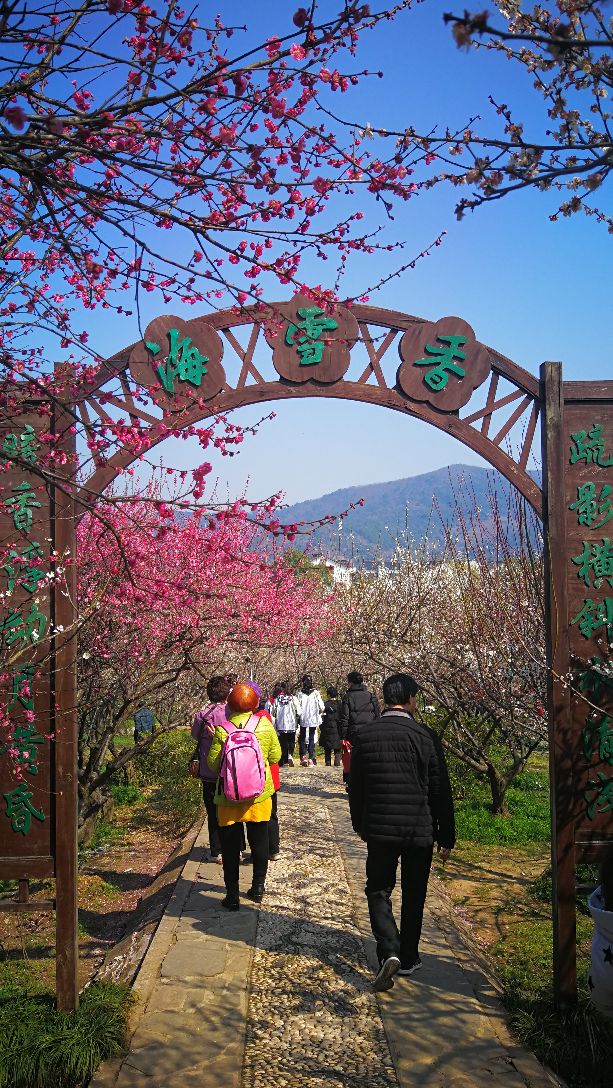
x,y
43,1048
125,793
162,768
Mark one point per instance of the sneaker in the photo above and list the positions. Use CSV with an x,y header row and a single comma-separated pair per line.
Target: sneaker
x,y
245,857
312,763
304,762
215,858
405,971
290,761
384,979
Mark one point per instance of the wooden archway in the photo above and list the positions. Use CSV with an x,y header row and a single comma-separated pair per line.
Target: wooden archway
x,y
182,372
498,421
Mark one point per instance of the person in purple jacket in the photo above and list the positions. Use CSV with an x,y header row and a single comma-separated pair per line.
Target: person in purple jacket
x,y
205,723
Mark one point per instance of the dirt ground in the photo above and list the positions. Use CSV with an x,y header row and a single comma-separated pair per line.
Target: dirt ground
x,y
111,882
483,880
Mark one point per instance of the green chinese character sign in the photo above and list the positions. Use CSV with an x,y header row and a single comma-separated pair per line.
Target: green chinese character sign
x,y
444,360
442,363
184,361
310,341
307,332
178,361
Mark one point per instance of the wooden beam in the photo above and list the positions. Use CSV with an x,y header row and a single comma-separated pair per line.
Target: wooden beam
x,y
558,694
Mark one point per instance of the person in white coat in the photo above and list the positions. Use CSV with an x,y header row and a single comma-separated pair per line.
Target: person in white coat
x,y
285,713
600,978
311,708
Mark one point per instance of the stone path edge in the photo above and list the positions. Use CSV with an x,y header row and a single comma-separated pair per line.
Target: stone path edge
x,y
470,957
149,970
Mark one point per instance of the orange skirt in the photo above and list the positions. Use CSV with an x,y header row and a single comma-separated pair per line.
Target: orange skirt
x,y
249,812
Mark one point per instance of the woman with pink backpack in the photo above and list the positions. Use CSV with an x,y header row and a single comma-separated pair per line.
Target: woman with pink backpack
x,y
241,752
205,722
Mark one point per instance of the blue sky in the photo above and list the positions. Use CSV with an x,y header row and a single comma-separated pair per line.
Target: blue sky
x,y
531,289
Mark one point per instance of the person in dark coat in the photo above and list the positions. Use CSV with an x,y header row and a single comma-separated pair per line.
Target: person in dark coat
x,y
329,733
358,707
401,804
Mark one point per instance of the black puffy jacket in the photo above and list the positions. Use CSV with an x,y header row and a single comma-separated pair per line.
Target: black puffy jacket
x,y
358,707
399,789
329,733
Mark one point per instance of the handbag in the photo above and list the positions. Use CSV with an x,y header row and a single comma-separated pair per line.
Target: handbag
x,y
193,765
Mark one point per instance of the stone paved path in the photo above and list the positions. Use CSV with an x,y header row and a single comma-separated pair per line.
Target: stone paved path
x,y
280,995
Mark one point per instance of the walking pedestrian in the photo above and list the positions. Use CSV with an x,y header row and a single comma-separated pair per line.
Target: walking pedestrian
x,y
203,729
359,706
285,713
311,706
401,804
330,735
243,765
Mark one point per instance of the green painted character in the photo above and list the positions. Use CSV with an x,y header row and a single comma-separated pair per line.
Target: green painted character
x,y
24,744
23,446
602,735
589,447
438,376
22,692
19,573
18,628
593,616
603,800
595,679
591,508
305,334
595,560
184,362
21,505
19,810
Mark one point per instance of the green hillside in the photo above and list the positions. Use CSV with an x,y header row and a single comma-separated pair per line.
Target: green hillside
x,y
411,509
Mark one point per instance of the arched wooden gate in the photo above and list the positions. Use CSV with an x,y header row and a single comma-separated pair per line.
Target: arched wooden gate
x,y
183,371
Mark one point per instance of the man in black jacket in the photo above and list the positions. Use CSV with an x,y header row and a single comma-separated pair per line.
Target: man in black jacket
x,y
358,707
401,804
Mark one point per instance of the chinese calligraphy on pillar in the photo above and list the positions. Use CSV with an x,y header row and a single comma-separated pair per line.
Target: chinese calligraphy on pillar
x,y
25,626
589,500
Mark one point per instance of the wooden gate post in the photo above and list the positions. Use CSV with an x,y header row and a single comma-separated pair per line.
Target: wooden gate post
x,y
64,684
558,692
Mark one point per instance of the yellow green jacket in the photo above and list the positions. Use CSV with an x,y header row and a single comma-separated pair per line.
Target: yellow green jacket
x,y
271,751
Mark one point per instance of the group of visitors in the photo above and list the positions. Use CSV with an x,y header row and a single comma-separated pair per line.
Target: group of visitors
x,y
305,714
400,800
399,793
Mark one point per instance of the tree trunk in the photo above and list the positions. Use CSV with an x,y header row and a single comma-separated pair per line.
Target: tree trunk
x,y
498,790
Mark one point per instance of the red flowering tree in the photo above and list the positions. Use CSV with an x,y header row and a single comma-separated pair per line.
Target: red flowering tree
x,y
164,603
144,152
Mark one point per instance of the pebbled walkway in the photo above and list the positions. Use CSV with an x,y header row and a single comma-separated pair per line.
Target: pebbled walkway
x,y
280,995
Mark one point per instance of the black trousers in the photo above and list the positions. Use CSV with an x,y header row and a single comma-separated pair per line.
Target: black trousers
x,y
231,840
273,828
288,745
381,868
328,756
208,793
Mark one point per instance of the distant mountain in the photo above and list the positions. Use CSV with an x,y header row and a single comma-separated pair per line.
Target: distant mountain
x,y
411,509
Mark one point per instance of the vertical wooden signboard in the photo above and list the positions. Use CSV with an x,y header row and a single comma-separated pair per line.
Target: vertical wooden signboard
x,y
578,490
37,678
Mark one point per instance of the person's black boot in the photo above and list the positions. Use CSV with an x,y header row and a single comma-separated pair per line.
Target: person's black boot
x,y
255,893
231,902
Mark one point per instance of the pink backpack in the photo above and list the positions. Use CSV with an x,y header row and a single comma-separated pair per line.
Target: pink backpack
x,y
242,770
